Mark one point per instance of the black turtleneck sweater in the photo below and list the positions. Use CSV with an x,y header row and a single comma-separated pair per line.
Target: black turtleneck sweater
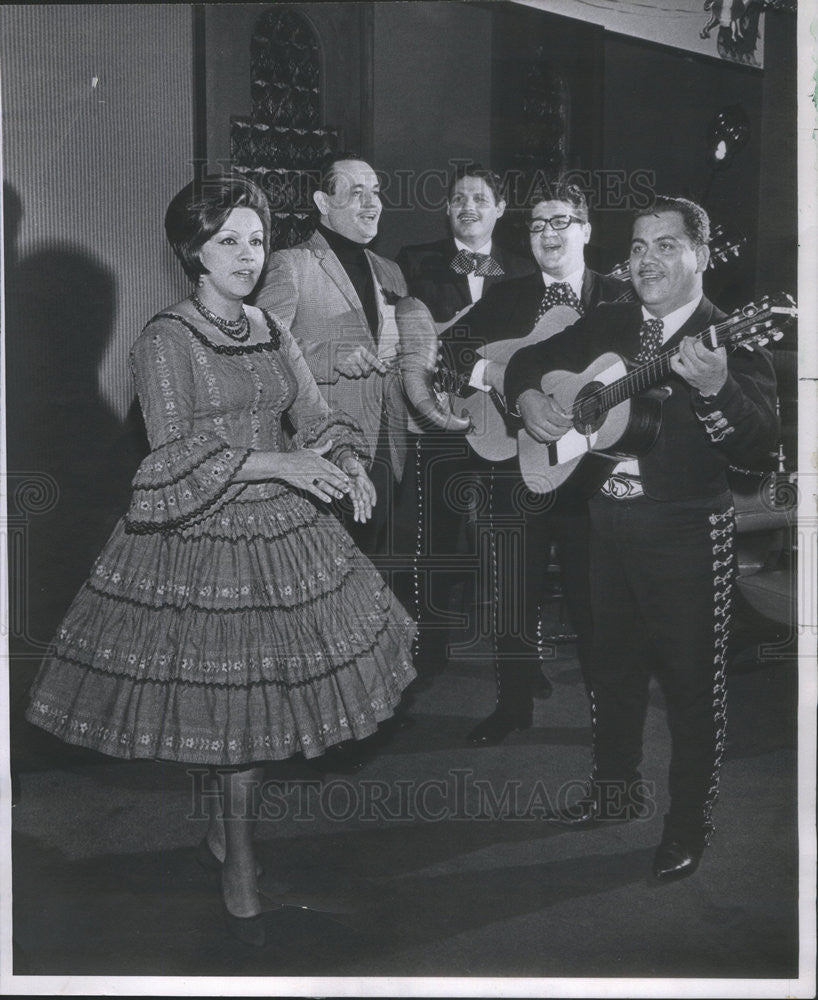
x,y
354,261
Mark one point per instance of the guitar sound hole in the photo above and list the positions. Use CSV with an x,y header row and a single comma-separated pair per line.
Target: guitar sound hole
x,y
588,411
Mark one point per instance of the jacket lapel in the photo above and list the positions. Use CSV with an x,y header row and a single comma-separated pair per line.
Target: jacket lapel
x,y
702,317
334,270
458,281
589,293
378,280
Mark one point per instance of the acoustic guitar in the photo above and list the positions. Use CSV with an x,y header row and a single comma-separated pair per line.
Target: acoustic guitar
x,y
494,431
617,413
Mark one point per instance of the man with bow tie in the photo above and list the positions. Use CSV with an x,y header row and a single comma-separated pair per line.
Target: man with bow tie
x,y
450,275
559,230
662,560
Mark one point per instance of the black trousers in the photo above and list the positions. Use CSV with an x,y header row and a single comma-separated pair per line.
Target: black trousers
x,y
661,584
513,530
438,473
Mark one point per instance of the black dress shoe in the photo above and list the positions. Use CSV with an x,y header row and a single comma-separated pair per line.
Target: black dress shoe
x,y
609,802
674,859
540,684
495,728
583,813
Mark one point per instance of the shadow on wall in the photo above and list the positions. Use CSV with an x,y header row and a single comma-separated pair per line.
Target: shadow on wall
x,y
69,459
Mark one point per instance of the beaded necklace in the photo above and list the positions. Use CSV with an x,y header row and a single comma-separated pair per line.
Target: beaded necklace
x,y
235,329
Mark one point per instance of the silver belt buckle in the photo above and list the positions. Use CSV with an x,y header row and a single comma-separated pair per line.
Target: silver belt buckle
x,y
619,487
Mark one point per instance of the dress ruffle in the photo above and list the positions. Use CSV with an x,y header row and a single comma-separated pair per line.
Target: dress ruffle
x,y
225,622
182,479
343,432
253,635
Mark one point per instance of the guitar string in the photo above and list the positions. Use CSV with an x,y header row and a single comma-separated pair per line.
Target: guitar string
x,y
658,366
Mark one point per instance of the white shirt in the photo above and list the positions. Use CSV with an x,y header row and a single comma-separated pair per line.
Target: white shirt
x,y
475,283
673,322
476,380
574,279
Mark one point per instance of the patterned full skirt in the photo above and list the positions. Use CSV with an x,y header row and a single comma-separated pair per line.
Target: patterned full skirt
x,y
259,632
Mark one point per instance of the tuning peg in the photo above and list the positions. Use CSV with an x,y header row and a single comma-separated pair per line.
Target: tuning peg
x,y
763,340
777,334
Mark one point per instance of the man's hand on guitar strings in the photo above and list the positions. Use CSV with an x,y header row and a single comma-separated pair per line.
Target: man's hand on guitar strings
x,y
544,420
700,367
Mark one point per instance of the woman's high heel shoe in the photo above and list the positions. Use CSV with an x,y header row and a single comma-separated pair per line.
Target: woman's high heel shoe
x,y
248,930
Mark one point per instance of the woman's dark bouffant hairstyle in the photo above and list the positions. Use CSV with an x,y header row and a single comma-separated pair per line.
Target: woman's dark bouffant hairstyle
x,y
200,209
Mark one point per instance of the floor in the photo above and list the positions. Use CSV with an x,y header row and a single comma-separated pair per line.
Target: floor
x,y
433,860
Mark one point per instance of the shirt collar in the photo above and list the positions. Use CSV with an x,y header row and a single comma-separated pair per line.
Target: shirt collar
x,y
485,248
574,279
674,321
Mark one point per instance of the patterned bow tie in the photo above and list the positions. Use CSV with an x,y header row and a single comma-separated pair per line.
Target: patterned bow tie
x,y
650,339
559,293
483,264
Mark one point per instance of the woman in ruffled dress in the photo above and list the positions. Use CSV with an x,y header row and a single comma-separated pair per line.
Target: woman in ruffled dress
x,y
229,620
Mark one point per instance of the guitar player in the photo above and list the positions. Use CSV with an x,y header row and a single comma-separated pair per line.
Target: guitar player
x,y
662,561
559,230
449,276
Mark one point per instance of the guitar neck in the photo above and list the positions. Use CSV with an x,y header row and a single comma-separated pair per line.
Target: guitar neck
x,y
648,374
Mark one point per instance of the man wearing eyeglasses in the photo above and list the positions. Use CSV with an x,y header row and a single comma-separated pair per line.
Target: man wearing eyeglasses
x,y
559,230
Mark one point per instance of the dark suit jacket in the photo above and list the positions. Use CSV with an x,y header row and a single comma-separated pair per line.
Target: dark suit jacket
x,y
430,279
700,436
510,309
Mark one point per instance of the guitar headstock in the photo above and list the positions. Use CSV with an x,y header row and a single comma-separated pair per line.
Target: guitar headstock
x,y
722,247
758,323
621,271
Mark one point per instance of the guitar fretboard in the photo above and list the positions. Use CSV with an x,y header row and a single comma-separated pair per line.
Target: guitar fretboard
x,y
750,324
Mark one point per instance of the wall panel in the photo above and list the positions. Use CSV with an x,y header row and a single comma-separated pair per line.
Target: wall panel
x,y
97,130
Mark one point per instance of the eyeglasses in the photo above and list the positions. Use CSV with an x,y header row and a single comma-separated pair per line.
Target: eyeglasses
x,y
556,222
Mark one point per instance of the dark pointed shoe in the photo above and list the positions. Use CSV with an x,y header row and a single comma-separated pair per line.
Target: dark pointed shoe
x,y
674,859
495,728
609,801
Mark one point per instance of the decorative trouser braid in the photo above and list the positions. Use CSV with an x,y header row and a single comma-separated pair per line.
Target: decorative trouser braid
x,y
722,535
661,582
